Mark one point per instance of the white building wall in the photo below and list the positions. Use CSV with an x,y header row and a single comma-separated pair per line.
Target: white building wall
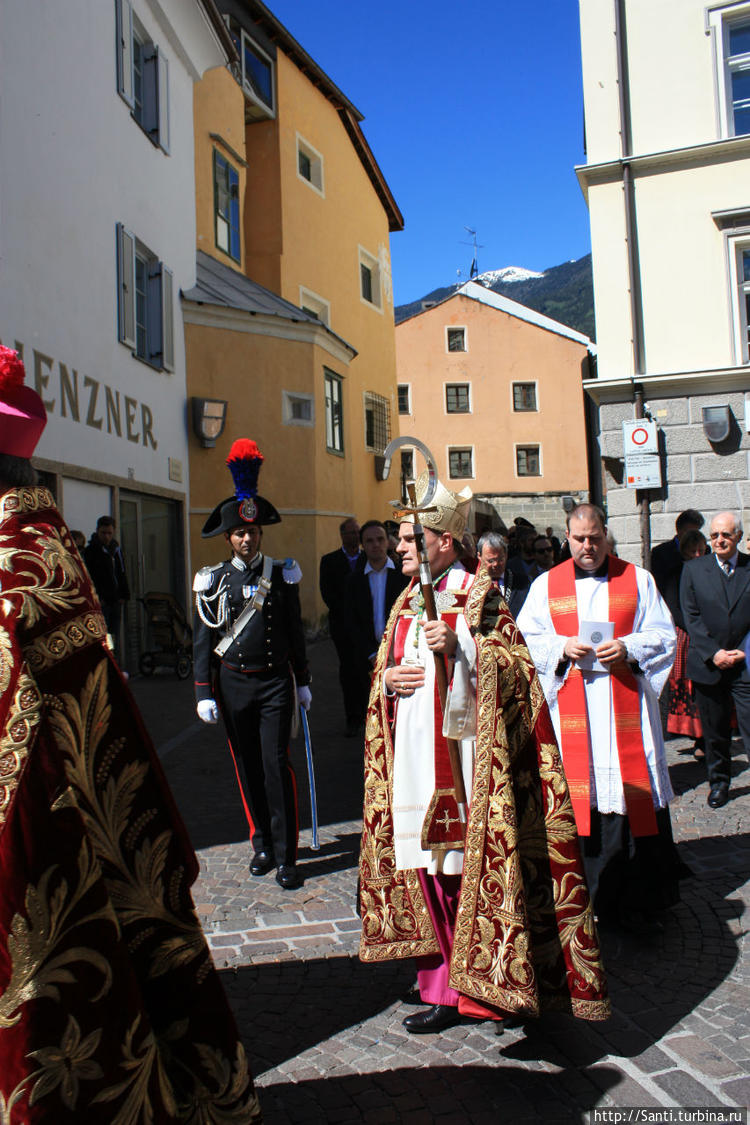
x,y
74,163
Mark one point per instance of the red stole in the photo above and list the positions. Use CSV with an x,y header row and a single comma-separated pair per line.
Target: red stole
x,y
443,827
571,701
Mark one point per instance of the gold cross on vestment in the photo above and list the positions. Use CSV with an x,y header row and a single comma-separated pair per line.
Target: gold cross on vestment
x,y
447,820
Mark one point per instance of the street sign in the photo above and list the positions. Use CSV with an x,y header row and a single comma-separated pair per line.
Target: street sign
x,y
640,436
641,444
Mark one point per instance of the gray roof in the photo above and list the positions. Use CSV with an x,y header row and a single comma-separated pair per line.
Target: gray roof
x,y
217,284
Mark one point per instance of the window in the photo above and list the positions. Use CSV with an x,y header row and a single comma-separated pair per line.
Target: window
x,y
455,339
369,278
732,38
315,305
377,422
404,398
297,409
256,72
524,396
460,463
309,164
527,461
145,312
743,300
142,76
407,464
457,398
227,206
334,413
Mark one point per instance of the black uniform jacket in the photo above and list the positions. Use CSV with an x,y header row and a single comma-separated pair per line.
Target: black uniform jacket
x,y
273,639
716,610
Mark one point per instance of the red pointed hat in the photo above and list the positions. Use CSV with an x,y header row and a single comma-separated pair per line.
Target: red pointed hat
x,y
246,506
22,413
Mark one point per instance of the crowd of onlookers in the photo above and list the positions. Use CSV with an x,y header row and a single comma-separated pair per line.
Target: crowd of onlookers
x,y
360,581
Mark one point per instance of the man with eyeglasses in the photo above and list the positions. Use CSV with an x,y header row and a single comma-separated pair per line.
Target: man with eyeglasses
x,y
715,600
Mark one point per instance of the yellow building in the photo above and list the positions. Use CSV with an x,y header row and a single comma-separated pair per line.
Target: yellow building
x,y
291,320
496,390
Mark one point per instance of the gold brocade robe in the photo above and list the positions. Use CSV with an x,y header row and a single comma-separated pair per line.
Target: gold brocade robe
x,y
111,1011
525,937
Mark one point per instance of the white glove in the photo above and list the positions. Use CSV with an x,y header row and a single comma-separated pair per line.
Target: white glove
x,y
208,711
304,695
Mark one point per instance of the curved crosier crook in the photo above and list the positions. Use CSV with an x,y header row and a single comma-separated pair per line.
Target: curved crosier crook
x,y
413,443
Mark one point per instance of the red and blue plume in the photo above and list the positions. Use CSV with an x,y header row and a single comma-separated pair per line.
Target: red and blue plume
x,y
244,461
11,370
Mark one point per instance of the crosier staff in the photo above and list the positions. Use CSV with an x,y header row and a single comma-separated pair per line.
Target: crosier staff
x,y
445,809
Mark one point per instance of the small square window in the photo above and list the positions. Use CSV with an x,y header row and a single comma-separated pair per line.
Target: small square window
x,y
315,305
460,464
297,409
404,398
457,398
527,461
456,338
524,396
309,164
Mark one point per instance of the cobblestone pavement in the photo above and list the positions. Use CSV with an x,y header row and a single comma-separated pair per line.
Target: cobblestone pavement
x,y
324,1031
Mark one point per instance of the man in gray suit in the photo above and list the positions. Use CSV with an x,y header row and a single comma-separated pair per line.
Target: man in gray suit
x,y
715,600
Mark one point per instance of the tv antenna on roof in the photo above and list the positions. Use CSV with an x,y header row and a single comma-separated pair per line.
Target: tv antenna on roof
x,y
474,271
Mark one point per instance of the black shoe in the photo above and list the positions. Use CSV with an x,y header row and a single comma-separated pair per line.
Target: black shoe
x,y
287,877
353,727
640,923
436,1018
262,863
718,795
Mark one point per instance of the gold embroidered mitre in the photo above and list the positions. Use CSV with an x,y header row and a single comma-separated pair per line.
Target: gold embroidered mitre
x,y
447,511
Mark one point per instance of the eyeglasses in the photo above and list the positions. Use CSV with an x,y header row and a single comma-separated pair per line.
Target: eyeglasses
x,y
723,535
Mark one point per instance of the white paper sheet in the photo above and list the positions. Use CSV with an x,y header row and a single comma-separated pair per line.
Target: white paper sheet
x,y
594,633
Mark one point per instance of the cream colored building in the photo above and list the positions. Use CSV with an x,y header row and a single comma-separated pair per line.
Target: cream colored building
x,y
667,181
495,390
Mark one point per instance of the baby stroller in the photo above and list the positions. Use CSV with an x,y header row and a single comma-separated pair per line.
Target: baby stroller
x,y
171,636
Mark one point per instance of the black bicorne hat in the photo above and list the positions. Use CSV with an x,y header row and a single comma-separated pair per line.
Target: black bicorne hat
x,y
246,507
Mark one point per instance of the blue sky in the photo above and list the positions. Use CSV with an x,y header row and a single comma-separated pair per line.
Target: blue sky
x,y
475,115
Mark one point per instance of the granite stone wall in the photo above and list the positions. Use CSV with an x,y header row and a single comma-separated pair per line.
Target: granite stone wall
x,y
695,472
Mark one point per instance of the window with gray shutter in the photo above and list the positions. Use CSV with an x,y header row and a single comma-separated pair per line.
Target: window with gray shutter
x,y
124,49
126,285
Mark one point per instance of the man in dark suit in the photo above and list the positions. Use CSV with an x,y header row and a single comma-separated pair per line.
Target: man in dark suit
x,y
370,594
715,601
335,568
514,585
666,560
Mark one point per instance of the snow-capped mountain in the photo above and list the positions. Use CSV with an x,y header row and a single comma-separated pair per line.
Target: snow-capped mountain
x,y
507,275
563,292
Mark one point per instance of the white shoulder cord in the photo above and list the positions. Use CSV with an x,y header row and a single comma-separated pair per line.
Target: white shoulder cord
x,y
221,615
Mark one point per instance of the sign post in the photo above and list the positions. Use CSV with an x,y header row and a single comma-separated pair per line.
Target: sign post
x,y
641,445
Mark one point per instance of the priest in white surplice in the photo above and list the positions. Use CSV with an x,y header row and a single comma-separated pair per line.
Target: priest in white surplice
x,y
598,610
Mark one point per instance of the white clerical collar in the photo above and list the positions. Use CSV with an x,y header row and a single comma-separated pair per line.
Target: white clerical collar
x,y
388,566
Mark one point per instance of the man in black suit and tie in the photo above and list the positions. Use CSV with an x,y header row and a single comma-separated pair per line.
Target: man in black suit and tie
x,y
715,600
492,551
335,568
370,594
666,560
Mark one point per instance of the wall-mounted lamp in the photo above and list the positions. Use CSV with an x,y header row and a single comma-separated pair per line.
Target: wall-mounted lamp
x,y
568,504
716,422
209,416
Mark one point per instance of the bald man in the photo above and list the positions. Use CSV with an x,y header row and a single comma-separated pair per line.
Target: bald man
x,y
715,601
